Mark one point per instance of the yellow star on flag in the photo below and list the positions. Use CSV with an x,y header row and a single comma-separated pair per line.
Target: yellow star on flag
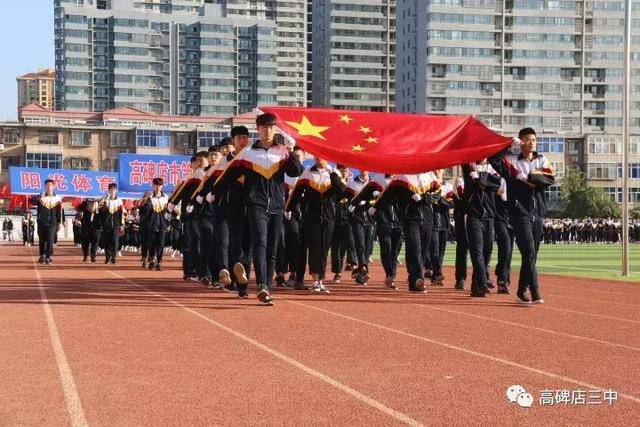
x,y
372,140
357,148
346,119
365,129
306,128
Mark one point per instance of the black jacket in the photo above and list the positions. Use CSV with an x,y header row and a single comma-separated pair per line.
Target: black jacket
x,y
480,192
263,171
318,203
525,200
49,211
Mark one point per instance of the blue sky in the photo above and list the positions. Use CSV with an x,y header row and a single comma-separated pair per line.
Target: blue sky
x,y
26,44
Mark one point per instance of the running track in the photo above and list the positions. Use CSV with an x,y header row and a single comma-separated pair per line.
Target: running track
x,y
86,344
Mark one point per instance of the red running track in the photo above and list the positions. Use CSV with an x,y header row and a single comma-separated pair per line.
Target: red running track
x,y
89,344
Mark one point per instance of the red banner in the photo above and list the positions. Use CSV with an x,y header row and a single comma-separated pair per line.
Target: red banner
x,y
389,142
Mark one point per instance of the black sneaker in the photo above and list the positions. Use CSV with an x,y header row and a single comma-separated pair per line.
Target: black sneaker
x,y
242,291
459,284
93,259
41,260
503,290
490,285
478,294
281,282
428,273
107,260
536,298
85,258
47,261
437,280
113,261
206,282
231,288
158,267
522,298
263,295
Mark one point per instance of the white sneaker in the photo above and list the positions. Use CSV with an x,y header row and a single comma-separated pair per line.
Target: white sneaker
x,y
119,253
317,287
323,289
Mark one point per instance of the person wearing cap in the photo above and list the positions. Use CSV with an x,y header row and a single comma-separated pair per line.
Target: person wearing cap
x,y
263,166
111,213
527,177
49,218
90,229
153,210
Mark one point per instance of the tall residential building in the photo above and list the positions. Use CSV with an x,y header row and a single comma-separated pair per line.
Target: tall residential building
x,y
354,54
290,17
164,56
553,65
37,87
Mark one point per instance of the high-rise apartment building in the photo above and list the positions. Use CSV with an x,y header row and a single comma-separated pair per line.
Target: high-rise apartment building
x,y
354,54
553,65
37,87
164,56
290,17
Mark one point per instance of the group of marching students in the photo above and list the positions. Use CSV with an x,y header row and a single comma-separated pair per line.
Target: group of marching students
x,y
253,205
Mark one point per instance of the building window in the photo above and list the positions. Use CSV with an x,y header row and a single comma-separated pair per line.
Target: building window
x,y
207,139
604,170
44,160
152,138
614,192
11,136
604,145
110,164
550,145
634,170
558,167
80,163
118,139
48,138
80,138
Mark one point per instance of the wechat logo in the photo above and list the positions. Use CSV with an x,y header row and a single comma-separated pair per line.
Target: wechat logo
x,y
518,394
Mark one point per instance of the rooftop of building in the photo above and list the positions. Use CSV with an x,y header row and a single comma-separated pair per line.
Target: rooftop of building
x,y
44,73
36,113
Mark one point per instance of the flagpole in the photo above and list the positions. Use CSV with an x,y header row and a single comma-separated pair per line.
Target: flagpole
x,y
625,136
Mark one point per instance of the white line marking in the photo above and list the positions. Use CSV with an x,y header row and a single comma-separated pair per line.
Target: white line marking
x,y
71,396
467,351
584,313
520,325
316,374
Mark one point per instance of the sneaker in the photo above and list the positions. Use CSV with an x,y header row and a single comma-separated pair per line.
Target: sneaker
x,y
348,267
158,267
47,261
437,280
93,259
240,273
151,264
85,258
107,261
242,291
323,289
420,286
231,288
194,279
536,298
263,295
459,284
144,264
224,277
389,283
206,282
316,287
41,260
113,261
489,285
522,298
119,253
360,280
428,273
503,290
478,294
280,281
337,278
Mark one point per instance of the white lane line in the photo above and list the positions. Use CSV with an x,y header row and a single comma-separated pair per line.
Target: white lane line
x,y
466,350
584,313
316,374
519,325
71,396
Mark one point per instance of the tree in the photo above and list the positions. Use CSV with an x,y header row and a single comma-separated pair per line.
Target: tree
x,y
635,213
581,201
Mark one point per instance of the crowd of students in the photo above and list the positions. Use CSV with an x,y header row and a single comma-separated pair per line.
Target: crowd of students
x,y
250,207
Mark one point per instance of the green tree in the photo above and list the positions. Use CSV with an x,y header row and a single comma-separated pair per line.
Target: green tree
x,y
635,213
581,201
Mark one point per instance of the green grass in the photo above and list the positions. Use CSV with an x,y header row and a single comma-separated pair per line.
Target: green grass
x,y
584,260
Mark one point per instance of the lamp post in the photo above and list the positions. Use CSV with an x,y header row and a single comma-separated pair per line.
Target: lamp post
x,y
626,71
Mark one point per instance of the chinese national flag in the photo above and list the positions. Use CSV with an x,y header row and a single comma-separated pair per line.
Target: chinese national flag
x,y
389,142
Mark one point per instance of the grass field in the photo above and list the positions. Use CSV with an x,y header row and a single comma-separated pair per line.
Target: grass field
x,y
584,260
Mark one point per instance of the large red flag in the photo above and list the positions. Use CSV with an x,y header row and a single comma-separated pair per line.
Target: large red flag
x,y
389,142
